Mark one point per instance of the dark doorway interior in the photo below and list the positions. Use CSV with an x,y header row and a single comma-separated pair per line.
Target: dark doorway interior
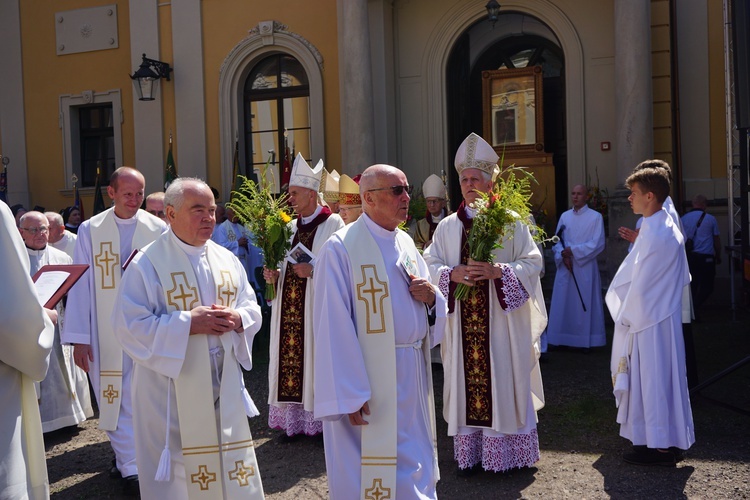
x,y
464,94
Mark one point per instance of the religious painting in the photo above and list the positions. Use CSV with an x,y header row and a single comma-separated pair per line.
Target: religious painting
x,y
512,104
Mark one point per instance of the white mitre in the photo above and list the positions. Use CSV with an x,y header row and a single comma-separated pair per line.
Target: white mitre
x,y
475,152
304,176
433,187
331,183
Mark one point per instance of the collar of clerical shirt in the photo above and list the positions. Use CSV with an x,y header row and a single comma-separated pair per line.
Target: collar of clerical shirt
x,y
309,218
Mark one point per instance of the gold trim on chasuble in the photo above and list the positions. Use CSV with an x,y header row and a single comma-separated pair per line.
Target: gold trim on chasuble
x,y
107,261
226,291
241,473
375,313
377,491
186,292
475,345
292,329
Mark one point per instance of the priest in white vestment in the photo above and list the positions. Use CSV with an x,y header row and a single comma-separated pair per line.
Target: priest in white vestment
x,y
26,336
104,243
187,315
64,398
373,377
578,320
59,237
292,348
492,414
236,238
648,351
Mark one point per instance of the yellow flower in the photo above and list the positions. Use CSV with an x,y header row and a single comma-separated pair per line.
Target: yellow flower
x,y
285,217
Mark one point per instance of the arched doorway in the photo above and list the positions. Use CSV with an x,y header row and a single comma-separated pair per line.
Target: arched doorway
x,y
510,47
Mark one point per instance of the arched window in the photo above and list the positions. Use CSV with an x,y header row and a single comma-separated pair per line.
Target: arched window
x,y
277,113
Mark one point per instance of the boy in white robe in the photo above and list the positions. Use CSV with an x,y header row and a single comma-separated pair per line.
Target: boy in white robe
x,y
648,351
157,340
26,334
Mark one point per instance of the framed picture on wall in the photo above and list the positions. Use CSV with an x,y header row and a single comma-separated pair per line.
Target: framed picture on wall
x,y
512,109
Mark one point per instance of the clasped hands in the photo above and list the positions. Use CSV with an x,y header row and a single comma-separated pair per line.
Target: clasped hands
x,y
214,320
474,271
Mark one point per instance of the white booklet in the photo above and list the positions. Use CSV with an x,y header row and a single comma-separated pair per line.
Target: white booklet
x,y
300,254
408,266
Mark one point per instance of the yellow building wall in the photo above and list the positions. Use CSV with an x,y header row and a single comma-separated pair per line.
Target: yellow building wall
x,y
717,90
47,76
225,23
661,75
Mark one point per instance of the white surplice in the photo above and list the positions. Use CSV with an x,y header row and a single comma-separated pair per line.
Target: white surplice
x,y
26,336
341,382
517,391
64,397
67,243
648,351
81,327
157,342
227,235
296,418
569,324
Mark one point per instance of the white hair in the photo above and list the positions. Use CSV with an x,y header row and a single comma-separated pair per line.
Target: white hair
x,y
175,194
54,218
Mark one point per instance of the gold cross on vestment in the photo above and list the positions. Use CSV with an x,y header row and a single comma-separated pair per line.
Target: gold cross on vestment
x,y
227,290
203,477
106,260
241,473
187,294
373,297
111,394
377,491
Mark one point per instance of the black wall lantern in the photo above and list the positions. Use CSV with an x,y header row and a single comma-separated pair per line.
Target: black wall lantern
x,y
146,79
493,9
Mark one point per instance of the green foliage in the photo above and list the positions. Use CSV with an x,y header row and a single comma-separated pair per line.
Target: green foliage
x,y
266,216
504,206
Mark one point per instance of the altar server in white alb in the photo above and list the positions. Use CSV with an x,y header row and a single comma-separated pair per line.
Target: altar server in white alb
x,y
186,315
104,243
26,335
373,377
292,350
493,385
576,316
235,237
64,398
648,351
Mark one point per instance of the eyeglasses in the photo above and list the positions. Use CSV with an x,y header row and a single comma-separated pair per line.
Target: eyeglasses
x,y
395,190
159,213
34,230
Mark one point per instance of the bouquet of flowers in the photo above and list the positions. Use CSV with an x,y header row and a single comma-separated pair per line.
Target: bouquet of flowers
x,y
266,216
506,204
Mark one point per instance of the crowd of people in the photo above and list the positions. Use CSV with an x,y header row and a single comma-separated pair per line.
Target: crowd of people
x,y
167,312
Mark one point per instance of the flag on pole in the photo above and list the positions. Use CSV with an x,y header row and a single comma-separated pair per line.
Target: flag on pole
x,y
98,198
4,180
170,173
286,165
77,197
